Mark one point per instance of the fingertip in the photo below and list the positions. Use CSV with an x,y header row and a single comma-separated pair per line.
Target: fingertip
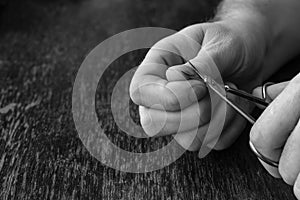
x,y
286,171
146,121
272,90
151,126
204,151
297,187
257,92
273,171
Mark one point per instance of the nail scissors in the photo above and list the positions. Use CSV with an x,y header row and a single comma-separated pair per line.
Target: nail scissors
x,y
218,88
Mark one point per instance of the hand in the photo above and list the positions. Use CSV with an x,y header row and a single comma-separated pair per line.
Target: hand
x,y
162,93
276,134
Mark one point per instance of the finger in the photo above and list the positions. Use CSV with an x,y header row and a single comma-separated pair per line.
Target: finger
x,y
203,62
175,73
231,115
297,187
149,85
272,90
218,55
173,96
172,50
274,126
231,133
157,122
192,140
185,138
289,165
234,128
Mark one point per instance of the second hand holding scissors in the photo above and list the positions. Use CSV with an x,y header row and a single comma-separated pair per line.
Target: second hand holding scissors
x,y
216,87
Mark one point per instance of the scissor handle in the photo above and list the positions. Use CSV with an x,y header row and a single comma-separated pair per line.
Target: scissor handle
x,y
262,157
246,95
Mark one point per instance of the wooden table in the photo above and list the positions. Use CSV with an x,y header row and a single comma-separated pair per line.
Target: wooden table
x,y
42,45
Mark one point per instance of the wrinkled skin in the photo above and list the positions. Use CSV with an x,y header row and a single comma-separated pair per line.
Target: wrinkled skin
x,y
276,134
162,92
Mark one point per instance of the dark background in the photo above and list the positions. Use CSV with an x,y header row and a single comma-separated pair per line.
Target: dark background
x,y
42,44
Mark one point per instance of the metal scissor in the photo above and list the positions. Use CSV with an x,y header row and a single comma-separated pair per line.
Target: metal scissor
x,y
216,87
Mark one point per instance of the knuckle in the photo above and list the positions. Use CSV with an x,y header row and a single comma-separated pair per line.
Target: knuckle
x,y
165,45
171,103
286,174
191,29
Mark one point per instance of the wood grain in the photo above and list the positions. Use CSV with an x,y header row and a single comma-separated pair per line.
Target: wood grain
x,y
42,45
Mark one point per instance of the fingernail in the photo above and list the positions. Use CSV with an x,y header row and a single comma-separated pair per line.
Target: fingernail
x,y
146,120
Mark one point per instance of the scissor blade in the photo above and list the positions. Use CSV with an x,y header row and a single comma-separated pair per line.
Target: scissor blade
x,y
246,95
218,90
196,71
234,106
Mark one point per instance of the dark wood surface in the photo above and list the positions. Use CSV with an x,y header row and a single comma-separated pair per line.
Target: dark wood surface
x,y
42,44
